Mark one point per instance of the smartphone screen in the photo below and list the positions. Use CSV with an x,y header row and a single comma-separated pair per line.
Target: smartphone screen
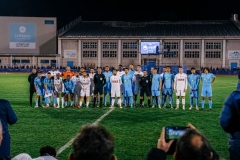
x,y
173,133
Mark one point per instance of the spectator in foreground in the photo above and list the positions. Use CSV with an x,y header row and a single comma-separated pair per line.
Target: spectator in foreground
x,y
229,121
47,153
192,145
7,116
93,142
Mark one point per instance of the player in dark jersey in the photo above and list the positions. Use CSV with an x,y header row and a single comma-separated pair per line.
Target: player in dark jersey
x,y
145,83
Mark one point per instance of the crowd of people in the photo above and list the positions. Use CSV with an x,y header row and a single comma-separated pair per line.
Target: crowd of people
x,y
125,84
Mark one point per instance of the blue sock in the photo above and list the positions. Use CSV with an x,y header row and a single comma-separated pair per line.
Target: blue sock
x,y
197,101
71,103
46,100
203,102
159,101
153,100
65,103
125,101
36,101
191,101
55,100
171,100
104,99
210,103
131,101
164,100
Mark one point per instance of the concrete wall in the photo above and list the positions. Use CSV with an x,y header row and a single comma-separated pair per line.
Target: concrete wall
x,y
45,35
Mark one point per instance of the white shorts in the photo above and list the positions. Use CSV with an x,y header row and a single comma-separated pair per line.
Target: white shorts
x,y
115,93
180,93
85,93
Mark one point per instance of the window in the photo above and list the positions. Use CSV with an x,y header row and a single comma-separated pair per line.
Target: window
x,y
44,61
89,45
192,45
109,54
25,61
49,21
130,45
15,61
191,54
171,55
213,45
109,45
170,45
213,54
129,54
90,54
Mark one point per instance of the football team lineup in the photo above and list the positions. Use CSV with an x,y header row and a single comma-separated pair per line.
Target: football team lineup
x,y
125,84
135,130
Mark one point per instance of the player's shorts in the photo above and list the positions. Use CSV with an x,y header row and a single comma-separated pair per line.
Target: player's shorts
x,y
115,93
98,89
85,93
155,93
180,93
145,90
128,93
167,91
137,89
39,91
194,94
77,91
207,92
68,92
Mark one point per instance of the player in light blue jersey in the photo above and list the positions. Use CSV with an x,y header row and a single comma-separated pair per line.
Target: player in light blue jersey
x,y
68,89
131,72
167,87
207,80
193,81
48,89
127,85
107,86
156,81
38,88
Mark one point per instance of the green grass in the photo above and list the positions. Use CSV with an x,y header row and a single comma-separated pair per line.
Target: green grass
x,y
135,130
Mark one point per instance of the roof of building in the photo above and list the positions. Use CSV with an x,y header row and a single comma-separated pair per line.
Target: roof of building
x,y
226,28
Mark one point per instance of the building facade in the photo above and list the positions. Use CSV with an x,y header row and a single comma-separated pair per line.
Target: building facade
x,y
197,43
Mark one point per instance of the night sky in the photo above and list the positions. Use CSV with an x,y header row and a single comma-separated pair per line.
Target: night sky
x,y
121,10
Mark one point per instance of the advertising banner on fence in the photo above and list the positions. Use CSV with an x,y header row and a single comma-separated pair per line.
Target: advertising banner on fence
x,y
22,36
70,54
233,54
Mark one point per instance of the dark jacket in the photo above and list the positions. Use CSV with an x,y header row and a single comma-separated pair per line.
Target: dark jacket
x,y
158,154
7,116
145,82
31,78
230,117
99,79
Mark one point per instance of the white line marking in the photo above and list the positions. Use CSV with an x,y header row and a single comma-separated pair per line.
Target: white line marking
x,y
71,141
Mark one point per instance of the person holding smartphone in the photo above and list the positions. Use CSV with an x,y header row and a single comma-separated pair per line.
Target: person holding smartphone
x,y
191,145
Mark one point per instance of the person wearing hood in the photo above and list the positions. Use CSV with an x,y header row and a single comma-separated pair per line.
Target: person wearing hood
x,y
229,121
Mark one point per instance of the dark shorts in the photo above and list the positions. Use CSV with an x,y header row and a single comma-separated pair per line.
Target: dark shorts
x,y
98,89
145,90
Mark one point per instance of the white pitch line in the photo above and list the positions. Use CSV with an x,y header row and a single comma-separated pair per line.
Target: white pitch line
x,y
71,141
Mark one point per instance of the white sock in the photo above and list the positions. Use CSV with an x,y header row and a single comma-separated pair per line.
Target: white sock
x,y
113,101
177,102
87,104
80,103
183,102
120,102
62,101
58,101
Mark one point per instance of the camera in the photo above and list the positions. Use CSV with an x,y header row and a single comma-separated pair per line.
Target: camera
x,y
173,133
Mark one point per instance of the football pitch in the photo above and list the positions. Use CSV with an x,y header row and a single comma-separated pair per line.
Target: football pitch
x,y
135,131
